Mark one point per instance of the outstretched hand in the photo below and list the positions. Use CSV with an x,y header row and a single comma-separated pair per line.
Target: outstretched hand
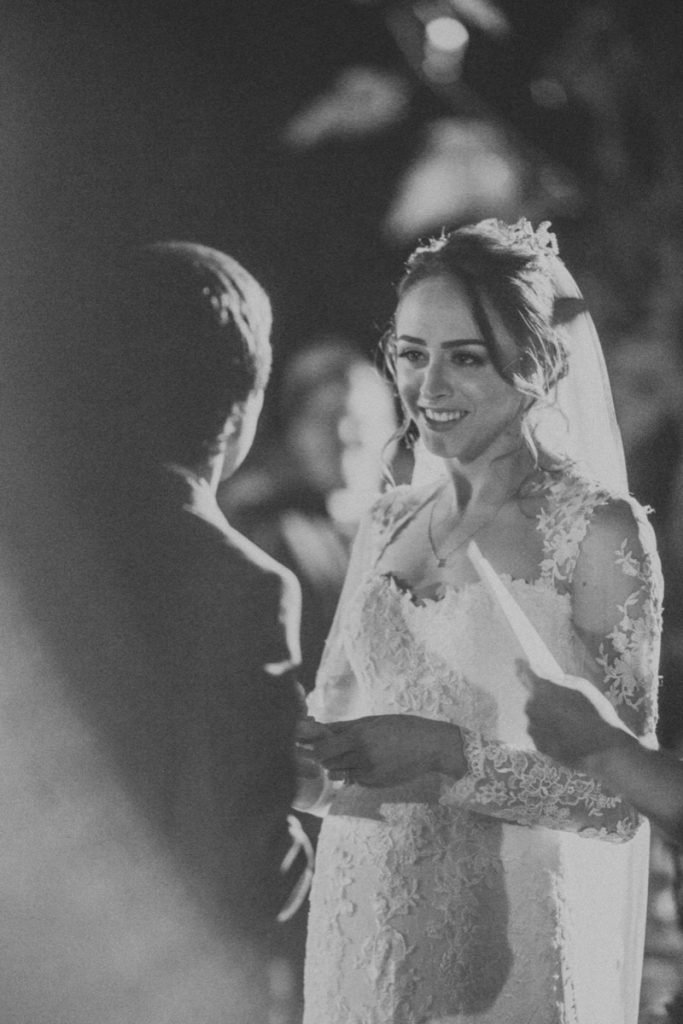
x,y
387,750
562,722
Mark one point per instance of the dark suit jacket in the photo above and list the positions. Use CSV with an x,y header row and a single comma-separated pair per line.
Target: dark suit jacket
x,y
293,525
208,739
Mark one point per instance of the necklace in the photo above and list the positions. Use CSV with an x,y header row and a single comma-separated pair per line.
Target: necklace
x,y
442,559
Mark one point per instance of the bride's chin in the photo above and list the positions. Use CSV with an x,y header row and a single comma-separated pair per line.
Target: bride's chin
x,y
438,447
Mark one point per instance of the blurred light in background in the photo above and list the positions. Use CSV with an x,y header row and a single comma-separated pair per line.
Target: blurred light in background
x,y
467,169
359,102
482,14
471,168
446,34
445,46
548,93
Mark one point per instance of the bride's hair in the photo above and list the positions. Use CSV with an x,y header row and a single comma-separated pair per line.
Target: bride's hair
x,y
509,269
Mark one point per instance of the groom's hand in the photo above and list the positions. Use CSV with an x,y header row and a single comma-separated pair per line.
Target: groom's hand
x,y
563,723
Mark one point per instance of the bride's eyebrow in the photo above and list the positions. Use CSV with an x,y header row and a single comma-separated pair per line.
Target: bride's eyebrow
x,y
455,343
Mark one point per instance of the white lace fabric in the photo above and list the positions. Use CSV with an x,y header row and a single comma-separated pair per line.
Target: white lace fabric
x,y
516,894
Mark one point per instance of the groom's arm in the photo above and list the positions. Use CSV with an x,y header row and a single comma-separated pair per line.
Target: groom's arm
x,y
243,695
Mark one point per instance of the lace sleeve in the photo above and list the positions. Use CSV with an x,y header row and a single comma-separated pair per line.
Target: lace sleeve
x,y
616,604
617,596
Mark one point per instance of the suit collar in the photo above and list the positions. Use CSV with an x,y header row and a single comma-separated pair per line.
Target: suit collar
x,y
197,496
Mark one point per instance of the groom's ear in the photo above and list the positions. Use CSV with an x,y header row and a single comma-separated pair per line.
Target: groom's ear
x,y
233,424
241,414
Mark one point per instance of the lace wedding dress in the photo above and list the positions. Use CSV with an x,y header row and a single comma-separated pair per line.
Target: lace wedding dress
x,y
516,895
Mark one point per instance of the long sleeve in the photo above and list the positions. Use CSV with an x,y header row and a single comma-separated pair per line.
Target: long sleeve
x,y
615,589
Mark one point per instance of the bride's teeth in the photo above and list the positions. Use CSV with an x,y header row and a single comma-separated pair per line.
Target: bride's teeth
x,y
443,417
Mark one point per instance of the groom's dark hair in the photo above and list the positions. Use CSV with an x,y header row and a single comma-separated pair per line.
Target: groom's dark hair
x,y
193,329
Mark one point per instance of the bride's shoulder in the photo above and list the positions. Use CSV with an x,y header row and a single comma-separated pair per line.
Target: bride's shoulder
x,y
579,504
571,493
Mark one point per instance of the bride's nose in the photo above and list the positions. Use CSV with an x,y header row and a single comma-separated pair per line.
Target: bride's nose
x,y
435,382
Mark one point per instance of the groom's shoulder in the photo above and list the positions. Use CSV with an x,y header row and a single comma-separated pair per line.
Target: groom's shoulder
x,y
242,565
250,558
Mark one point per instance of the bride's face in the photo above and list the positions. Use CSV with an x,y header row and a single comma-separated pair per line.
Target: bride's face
x,y
445,376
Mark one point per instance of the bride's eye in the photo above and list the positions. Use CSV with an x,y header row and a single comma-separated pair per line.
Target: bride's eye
x,y
414,356
468,358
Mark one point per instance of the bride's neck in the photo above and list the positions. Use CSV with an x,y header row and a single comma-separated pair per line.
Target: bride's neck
x,y
489,481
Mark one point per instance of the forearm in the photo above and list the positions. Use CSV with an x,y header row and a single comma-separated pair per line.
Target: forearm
x,y
651,780
528,788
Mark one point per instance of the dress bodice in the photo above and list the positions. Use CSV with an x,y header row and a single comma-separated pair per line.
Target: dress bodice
x,y
451,658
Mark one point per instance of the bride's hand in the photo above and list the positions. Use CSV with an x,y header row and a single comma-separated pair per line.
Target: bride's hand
x,y
386,750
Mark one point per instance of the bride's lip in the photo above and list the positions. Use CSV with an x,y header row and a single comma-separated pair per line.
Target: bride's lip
x,y
442,419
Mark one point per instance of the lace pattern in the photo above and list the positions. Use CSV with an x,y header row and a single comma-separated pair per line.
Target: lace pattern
x,y
528,789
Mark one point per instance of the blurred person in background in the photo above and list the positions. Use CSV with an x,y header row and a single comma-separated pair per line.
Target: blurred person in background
x,y
304,501
462,874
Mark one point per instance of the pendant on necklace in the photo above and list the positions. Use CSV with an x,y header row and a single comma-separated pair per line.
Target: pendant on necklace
x,y
441,562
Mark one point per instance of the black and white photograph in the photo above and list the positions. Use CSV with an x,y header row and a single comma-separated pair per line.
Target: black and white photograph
x,y
341,536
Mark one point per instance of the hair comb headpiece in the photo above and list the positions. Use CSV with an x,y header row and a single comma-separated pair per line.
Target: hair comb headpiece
x,y
541,240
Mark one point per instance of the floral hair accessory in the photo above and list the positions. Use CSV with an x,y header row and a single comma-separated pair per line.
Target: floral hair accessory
x,y
541,240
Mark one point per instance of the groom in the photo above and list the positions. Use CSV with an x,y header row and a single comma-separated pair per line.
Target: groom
x,y
208,741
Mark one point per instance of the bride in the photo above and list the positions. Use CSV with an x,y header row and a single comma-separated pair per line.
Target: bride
x,y
461,875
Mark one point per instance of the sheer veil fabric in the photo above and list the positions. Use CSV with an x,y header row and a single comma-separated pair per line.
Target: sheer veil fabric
x,y
579,420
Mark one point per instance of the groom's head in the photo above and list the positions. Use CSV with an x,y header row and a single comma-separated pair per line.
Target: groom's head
x,y
196,341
